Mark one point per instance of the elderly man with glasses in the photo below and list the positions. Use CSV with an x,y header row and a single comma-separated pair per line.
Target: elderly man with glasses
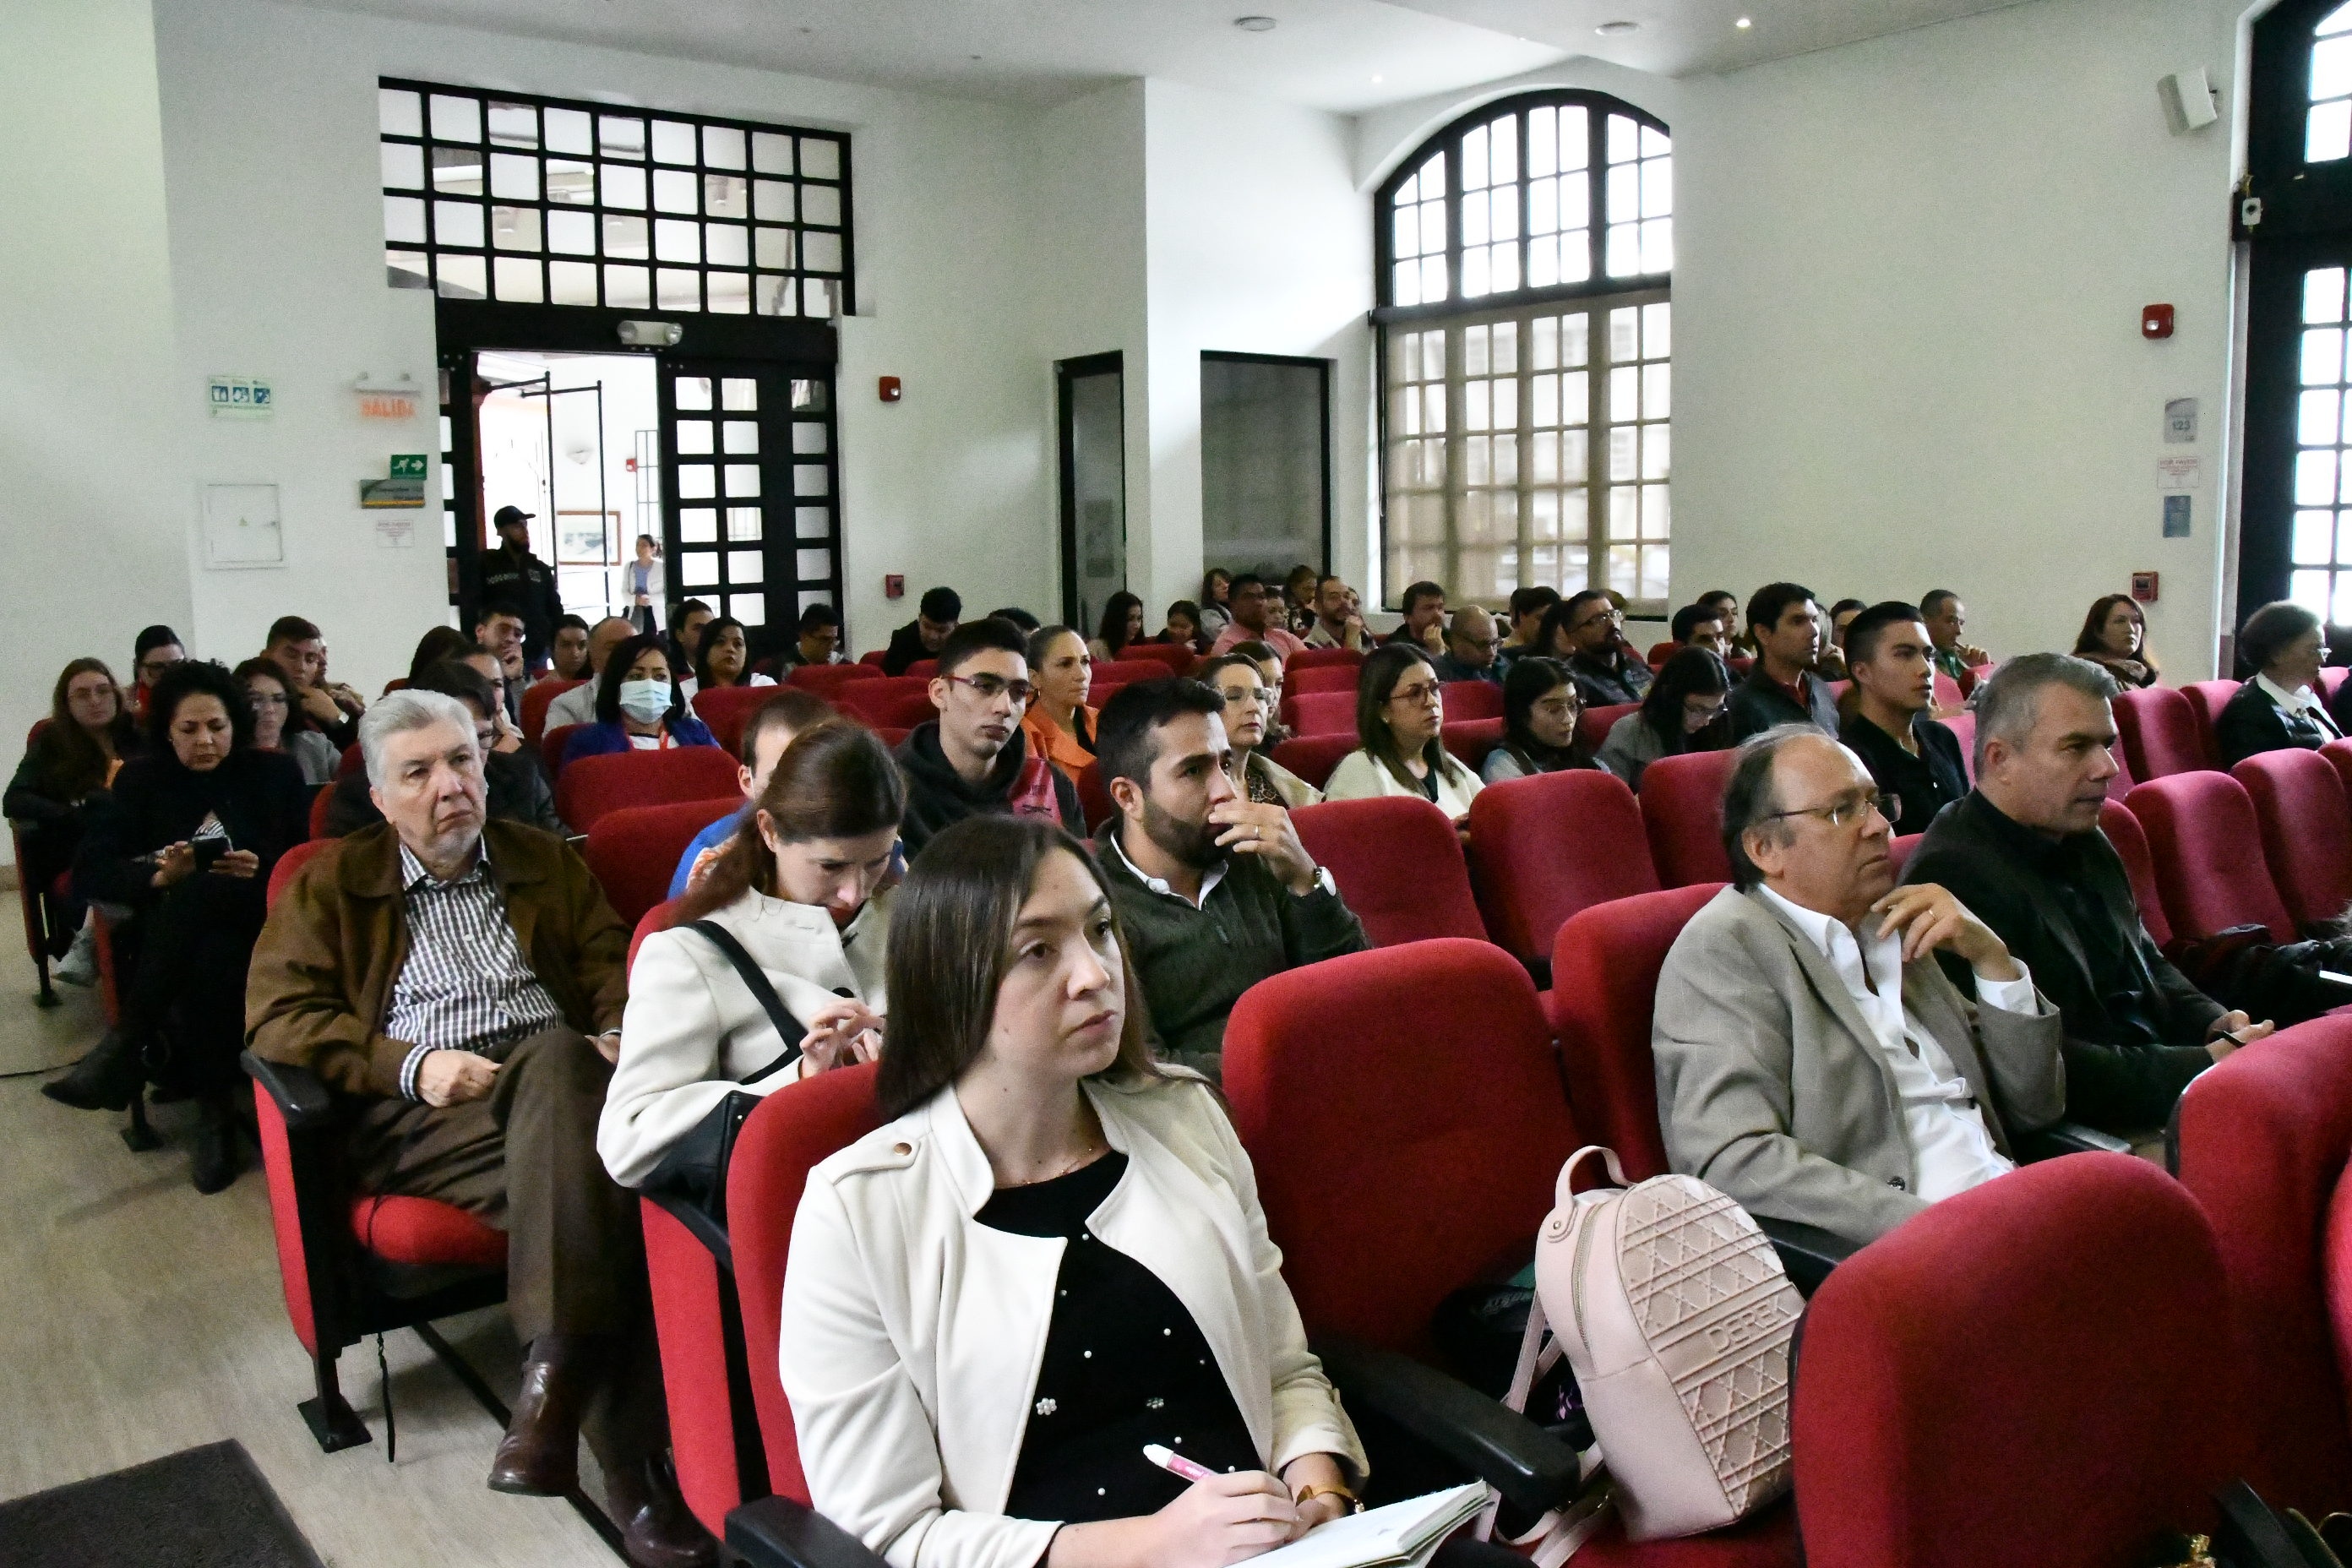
x,y
1813,1060
972,761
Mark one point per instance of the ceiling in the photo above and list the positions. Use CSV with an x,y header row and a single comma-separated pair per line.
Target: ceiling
x,y
1343,56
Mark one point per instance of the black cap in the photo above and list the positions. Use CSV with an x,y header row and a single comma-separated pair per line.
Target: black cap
x,y
511,514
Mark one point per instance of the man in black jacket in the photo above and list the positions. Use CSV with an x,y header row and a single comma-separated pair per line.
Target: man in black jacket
x,y
1909,755
972,760
2025,852
513,574
925,636
1785,624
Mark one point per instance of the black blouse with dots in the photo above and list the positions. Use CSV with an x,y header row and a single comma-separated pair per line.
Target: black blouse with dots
x,y
1125,1365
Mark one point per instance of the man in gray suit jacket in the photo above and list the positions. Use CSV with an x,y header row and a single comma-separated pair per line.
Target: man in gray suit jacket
x,y
1813,1060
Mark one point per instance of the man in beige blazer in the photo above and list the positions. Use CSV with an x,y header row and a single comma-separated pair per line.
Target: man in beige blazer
x,y
1814,1061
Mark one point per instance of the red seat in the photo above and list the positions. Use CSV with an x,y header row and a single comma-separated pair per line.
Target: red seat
x,y
594,786
1322,658
290,865
2262,1142
1682,807
633,852
1471,699
552,747
873,700
2306,828
1398,863
824,679
2206,847
1604,984
1320,713
1974,1387
2339,757
1314,757
425,1232
661,917
921,669
535,699
1094,798
1174,654
1949,695
2124,831
725,710
1543,848
1298,681
1963,727
1117,672
2121,784
2206,699
1471,740
2161,733
2331,679
1592,725
351,763
874,657
321,804
1898,849
1659,652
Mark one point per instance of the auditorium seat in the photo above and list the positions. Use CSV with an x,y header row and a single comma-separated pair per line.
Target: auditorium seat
x,y
1471,699
2121,784
1094,798
535,699
1948,696
824,679
594,786
1313,757
552,747
2161,733
2339,757
2307,830
1174,654
1117,672
2130,841
714,1442
872,701
1899,849
320,804
353,760
725,710
633,852
1398,863
1320,713
1963,726
1592,725
1297,682
1604,985
1681,808
2206,699
874,658
1543,848
921,669
2331,679
2206,850
2261,1141
1319,657
1659,652
1979,1385
1470,740
290,866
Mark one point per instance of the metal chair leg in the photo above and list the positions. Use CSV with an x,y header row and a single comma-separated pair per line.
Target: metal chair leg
x,y
48,996
330,1415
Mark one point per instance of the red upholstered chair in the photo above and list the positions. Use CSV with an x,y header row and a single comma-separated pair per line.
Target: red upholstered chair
x,y
661,917
352,1264
633,852
1661,651
1682,807
2331,679
594,786
891,737
1898,849
1398,864
1471,699
1298,681
1963,726
2207,849
2261,1141
1975,1387
2118,786
2206,699
1543,848
1313,757
2306,827
824,679
1604,984
2339,757
2161,733
874,700
353,760
921,669
1094,798
1471,740
1319,657
1174,654
552,747
1949,694
1320,713
535,699
1592,725
2124,831
727,708
1117,672
321,804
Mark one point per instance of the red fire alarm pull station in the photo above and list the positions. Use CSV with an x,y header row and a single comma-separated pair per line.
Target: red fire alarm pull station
x,y
2156,321
891,391
893,587
2143,588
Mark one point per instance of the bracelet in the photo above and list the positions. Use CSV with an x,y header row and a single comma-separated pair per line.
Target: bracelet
x,y
1307,1494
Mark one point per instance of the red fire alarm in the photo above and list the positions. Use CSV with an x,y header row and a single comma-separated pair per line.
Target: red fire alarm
x,y
2143,588
2156,321
891,391
893,587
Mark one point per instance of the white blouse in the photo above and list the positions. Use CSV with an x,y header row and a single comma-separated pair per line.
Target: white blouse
x,y
1362,776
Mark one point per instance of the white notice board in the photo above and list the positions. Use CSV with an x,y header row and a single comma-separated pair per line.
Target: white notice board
x,y
241,527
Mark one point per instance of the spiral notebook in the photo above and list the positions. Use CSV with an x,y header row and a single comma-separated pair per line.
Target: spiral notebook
x,y
1397,1532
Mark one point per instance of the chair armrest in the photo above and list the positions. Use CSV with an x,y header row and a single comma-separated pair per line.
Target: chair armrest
x,y
1807,1252
698,1225
2066,1138
1532,1468
302,1096
777,1532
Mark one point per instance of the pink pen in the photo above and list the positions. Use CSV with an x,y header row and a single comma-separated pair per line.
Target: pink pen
x,y
1176,1464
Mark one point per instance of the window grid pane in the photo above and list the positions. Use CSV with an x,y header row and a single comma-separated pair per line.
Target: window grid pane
x,y
578,181
2320,539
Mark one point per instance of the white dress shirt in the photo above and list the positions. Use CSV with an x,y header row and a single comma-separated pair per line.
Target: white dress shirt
x,y
1954,1149
2302,699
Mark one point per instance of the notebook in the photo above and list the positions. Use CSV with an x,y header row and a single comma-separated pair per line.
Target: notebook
x,y
1397,1532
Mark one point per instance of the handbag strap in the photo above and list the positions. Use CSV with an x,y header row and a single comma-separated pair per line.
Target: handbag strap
x,y
788,1028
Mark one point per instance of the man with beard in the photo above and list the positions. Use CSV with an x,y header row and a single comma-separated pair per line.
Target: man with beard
x,y
1214,890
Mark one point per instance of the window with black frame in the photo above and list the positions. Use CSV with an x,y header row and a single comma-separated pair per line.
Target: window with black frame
x,y
1526,259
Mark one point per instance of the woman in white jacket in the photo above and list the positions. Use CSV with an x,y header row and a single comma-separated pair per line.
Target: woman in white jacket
x,y
800,888
1051,1255
1400,714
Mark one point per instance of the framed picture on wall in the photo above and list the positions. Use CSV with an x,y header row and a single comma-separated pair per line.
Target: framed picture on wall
x,y
587,538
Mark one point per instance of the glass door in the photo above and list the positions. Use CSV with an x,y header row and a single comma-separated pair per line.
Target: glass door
x,y
1093,403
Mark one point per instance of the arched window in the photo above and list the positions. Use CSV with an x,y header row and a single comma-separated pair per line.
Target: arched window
x,y
1526,253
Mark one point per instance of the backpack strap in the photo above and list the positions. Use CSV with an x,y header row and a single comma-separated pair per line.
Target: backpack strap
x,y
788,1028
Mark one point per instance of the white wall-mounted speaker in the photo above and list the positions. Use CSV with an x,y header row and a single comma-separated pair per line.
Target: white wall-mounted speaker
x,y
2188,98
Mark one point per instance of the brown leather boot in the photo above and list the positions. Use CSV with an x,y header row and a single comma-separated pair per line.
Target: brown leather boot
x,y
657,1530
539,1454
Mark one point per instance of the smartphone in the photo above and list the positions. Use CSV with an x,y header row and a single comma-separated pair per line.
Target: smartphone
x,y
208,852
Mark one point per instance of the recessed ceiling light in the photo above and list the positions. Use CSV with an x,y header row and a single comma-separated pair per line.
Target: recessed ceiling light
x,y
1745,23
1254,23
1612,29
1379,80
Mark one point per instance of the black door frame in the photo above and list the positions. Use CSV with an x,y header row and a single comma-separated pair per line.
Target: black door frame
x,y
1067,371
1323,369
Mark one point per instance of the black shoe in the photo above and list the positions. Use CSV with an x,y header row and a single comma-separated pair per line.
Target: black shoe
x,y
106,1080
217,1159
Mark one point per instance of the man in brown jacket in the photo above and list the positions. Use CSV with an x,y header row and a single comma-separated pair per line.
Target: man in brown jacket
x,y
464,980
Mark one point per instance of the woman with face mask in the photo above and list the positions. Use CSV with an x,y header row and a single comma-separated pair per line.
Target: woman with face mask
x,y
638,706
802,888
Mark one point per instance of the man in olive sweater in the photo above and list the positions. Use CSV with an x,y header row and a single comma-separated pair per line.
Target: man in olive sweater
x,y
1214,890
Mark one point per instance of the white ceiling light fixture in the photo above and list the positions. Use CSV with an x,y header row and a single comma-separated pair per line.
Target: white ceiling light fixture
x,y
1745,23
1617,29
1254,23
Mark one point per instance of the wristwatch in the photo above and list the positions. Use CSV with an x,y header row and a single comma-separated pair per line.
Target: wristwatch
x,y
1309,1493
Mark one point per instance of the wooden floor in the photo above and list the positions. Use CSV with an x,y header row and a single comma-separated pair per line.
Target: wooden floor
x,y
137,1318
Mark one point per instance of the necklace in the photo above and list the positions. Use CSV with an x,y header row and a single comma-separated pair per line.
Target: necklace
x,y
1084,1155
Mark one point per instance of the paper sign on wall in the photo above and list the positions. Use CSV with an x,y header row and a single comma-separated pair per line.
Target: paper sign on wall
x,y
2179,473
239,397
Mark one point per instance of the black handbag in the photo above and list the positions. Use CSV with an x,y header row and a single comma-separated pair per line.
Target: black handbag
x,y
695,1169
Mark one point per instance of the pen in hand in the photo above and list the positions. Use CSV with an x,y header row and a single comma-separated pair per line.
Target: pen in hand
x,y
1176,1464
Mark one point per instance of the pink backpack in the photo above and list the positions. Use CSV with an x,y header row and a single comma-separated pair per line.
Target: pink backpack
x,y
1033,792
1675,1316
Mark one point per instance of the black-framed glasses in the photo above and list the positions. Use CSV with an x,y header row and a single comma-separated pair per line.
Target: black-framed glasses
x,y
1852,808
988,688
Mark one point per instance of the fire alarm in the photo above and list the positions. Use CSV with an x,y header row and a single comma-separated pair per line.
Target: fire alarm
x,y
893,587
2156,321
2143,588
891,391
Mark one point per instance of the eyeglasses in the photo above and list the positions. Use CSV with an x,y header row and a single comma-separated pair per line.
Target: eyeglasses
x,y
1423,691
1852,808
1615,618
988,688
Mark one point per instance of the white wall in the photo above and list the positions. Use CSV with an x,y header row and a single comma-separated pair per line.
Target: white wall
x,y
96,493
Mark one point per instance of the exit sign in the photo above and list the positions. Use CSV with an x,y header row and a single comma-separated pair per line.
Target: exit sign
x,y
407,466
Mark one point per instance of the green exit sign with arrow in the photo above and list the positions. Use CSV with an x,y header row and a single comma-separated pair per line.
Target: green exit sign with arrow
x,y
407,466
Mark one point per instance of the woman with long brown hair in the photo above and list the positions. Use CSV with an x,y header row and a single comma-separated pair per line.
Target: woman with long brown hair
x,y
2114,637
1400,714
1051,1255
802,893
90,734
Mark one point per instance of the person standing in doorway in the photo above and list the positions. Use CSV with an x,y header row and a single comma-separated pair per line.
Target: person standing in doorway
x,y
511,572
644,578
